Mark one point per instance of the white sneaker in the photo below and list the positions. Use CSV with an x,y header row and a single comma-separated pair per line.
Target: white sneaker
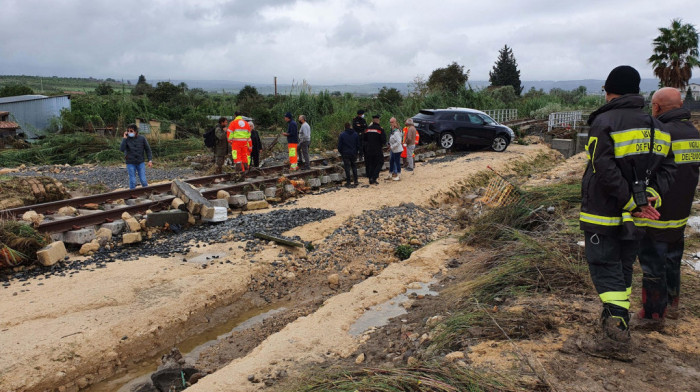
x,y
397,178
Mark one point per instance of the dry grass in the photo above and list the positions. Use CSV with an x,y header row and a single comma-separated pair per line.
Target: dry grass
x,y
428,377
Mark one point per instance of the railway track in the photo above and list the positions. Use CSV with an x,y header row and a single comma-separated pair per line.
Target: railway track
x,y
158,196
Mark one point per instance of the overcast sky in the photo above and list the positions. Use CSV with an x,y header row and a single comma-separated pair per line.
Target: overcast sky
x,y
329,41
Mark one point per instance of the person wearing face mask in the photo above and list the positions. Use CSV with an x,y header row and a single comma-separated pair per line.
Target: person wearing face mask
x,y
134,148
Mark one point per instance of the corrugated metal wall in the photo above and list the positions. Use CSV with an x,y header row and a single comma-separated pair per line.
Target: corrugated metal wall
x,y
36,115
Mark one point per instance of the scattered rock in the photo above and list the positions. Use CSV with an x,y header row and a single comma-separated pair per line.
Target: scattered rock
x,y
222,195
68,211
360,358
92,246
333,280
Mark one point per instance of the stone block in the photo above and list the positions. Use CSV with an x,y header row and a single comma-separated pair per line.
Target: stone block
x,y
257,205
92,246
325,180
315,182
271,191
220,214
335,177
222,195
52,253
131,238
126,215
219,203
430,154
132,224
289,188
56,237
115,227
178,204
564,146
194,200
79,237
171,217
237,201
441,151
255,196
104,235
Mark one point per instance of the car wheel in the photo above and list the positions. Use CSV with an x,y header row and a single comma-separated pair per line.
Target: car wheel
x,y
447,140
500,143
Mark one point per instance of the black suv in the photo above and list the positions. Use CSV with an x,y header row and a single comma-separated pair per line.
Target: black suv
x,y
462,126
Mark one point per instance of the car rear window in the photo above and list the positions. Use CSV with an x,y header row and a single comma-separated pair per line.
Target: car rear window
x,y
424,116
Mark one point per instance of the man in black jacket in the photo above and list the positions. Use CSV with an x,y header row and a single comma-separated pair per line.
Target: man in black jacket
x,y
348,146
134,146
629,169
374,141
257,145
359,125
662,249
222,148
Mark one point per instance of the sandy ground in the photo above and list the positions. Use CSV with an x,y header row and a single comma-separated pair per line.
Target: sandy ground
x,y
68,332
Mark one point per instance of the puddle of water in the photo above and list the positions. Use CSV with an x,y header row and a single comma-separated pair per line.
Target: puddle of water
x,y
190,349
379,315
204,258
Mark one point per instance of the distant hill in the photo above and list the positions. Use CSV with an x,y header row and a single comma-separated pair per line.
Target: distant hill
x,y
57,84
593,86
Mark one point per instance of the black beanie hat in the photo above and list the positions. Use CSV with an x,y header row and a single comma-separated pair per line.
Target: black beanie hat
x,y
623,80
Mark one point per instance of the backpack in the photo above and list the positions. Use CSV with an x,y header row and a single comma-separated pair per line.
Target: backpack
x,y
210,138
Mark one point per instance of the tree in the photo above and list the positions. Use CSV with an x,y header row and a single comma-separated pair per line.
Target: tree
x,y
142,87
675,54
15,89
390,97
165,92
104,89
419,87
505,72
246,93
689,95
449,79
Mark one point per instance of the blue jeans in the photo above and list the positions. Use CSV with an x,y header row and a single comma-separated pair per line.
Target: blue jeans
x,y
133,168
395,162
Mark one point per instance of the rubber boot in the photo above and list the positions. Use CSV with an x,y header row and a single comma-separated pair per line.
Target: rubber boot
x,y
672,311
611,340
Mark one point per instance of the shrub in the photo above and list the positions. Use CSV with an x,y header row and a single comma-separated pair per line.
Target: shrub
x,y
403,252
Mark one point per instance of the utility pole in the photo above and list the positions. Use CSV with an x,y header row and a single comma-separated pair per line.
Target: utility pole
x,y
275,86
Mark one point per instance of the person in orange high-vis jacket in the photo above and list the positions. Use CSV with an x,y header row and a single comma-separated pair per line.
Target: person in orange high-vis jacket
x,y
238,135
410,141
292,135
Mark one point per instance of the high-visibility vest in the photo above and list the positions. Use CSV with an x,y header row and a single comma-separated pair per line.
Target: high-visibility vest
x,y
238,130
405,132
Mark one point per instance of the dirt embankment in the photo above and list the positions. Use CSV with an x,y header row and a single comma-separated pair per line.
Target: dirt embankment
x,y
68,332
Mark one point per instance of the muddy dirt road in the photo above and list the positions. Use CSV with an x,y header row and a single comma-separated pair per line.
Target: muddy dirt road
x,y
67,333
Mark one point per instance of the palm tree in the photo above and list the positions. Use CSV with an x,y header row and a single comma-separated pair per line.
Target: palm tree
x,y
675,54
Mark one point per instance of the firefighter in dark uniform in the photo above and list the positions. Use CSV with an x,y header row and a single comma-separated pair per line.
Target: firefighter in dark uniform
x,y
661,251
374,142
624,177
359,125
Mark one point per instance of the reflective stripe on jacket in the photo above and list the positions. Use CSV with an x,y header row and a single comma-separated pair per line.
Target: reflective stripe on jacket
x,y
618,154
238,129
685,143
